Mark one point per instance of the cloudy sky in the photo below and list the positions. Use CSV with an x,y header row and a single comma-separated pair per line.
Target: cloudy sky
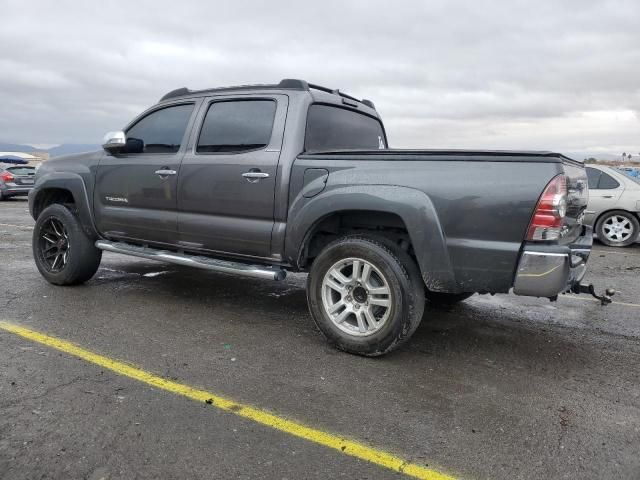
x,y
561,75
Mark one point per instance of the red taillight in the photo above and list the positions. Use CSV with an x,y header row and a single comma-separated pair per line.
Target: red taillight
x,y
548,218
7,177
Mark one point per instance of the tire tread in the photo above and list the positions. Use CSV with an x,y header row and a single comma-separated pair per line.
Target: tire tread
x,y
632,239
84,258
409,275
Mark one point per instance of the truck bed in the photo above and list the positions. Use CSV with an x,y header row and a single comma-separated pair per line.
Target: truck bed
x,y
482,200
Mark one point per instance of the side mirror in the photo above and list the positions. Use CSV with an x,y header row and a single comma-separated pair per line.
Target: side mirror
x,y
114,141
133,145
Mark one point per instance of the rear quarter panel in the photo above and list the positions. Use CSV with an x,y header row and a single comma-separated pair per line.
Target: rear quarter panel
x,y
482,208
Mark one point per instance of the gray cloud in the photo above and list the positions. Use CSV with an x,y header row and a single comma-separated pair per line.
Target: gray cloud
x,y
513,74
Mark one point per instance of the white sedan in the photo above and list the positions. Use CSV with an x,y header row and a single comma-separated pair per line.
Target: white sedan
x,y
614,205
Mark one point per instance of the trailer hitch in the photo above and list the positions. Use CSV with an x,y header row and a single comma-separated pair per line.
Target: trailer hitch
x,y
605,299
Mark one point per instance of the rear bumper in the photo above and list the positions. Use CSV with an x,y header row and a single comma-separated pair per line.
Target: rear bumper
x,y
547,270
11,190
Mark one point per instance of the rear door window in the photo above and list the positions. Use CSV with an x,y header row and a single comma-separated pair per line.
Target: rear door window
x,y
237,126
607,182
593,175
598,180
334,128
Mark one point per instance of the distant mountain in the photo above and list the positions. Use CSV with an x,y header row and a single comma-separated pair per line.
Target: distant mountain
x,y
599,156
12,147
64,149
67,148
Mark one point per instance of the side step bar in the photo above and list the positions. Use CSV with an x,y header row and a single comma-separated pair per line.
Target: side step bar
x,y
256,271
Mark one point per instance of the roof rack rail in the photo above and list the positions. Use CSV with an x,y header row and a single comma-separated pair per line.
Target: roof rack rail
x,y
178,92
293,83
336,91
368,103
287,83
303,85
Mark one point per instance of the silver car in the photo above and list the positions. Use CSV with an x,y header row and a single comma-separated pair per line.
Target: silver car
x,y
614,205
16,180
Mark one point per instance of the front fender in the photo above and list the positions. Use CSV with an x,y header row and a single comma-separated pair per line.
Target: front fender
x,y
413,206
73,183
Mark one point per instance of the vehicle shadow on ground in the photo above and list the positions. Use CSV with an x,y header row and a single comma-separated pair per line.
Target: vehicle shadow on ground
x,y
493,333
19,199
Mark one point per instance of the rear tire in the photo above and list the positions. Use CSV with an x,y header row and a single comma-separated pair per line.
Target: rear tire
x,y
363,297
618,228
440,299
63,252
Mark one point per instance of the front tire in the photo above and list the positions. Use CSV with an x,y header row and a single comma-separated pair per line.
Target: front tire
x,y
63,252
618,228
363,297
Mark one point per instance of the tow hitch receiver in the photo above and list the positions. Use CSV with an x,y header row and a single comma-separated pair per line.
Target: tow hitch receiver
x,y
605,299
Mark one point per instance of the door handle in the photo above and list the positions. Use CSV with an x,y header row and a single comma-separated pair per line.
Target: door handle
x,y
607,196
165,172
255,175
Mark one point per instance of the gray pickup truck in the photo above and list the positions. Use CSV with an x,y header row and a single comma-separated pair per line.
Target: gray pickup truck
x,y
260,180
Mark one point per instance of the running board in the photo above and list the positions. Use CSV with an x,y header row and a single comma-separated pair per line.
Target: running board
x,y
225,266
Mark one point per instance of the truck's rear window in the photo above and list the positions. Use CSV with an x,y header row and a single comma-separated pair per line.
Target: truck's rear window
x,y
334,128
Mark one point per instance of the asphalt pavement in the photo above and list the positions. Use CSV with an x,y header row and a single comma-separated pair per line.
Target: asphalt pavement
x,y
500,387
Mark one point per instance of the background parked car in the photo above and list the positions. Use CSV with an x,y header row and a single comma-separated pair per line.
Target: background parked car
x,y
16,180
13,160
631,171
614,205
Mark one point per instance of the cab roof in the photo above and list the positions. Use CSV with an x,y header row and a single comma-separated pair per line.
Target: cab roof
x,y
285,84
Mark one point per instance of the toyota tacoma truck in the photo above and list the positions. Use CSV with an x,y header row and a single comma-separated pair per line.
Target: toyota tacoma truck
x,y
264,179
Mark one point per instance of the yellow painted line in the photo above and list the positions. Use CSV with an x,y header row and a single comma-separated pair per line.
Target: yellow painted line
x,y
611,252
590,299
348,447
